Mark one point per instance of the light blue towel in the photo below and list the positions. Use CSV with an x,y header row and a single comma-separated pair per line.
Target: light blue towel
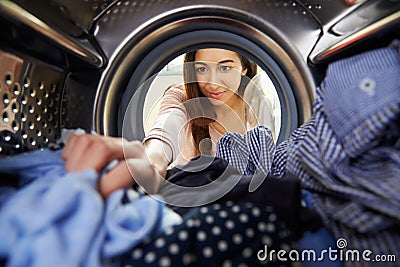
x,y
59,219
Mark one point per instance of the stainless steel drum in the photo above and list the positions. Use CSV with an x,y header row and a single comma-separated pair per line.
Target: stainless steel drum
x,y
77,63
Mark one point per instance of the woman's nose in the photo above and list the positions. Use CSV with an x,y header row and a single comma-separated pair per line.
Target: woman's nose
x,y
213,80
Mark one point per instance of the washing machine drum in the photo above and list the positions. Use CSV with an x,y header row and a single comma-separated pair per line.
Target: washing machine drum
x,y
102,65
154,34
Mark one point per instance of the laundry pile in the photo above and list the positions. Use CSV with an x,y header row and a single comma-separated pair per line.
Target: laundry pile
x,y
340,170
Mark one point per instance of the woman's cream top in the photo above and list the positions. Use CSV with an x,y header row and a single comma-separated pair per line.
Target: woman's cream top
x,y
173,128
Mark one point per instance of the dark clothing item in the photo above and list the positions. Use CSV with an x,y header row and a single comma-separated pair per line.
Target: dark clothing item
x,y
226,234
206,180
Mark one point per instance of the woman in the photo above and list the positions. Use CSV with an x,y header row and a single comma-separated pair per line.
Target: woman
x,y
193,118
208,106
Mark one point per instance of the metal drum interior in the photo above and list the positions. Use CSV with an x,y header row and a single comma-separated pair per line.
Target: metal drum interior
x,y
77,64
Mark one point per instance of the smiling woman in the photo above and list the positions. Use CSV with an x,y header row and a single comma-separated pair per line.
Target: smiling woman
x,y
217,96
260,95
218,76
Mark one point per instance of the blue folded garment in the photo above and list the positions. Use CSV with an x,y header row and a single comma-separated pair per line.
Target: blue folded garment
x,y
54,218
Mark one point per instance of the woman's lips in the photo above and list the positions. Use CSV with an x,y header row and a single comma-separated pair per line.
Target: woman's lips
x,y
216,95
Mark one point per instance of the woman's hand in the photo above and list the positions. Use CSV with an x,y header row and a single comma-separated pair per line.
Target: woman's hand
x,y
96,152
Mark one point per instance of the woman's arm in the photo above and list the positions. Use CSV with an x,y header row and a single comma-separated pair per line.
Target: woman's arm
x,y
160,154
145,164
162,141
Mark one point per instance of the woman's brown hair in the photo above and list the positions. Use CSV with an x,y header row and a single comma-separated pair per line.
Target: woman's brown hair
x,y
199,109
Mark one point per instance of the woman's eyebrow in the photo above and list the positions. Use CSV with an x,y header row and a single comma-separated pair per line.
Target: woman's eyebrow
x,y
221,62
226,61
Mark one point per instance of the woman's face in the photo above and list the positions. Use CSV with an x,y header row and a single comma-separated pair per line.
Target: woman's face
x,y
218,73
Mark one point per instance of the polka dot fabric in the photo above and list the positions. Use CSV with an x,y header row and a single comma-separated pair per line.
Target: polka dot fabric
x,y
226,234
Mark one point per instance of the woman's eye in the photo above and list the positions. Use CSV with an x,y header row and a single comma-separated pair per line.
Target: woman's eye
x,y
225,68
201,69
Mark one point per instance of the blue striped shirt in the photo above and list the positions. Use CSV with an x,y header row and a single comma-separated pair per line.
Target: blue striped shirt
x,y
348,153
249,153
